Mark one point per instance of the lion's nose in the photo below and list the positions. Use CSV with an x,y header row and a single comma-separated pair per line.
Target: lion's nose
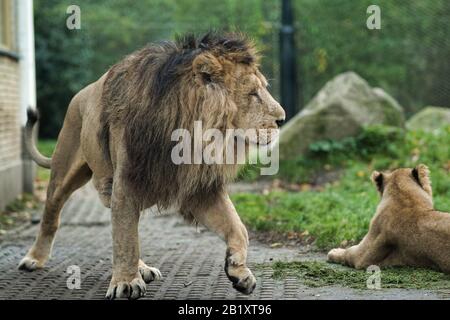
x,y
279,122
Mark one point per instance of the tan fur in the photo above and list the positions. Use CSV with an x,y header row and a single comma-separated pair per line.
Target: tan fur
x,y
405,230
129,113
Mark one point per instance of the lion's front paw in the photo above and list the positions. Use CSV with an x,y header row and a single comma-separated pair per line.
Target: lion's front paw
x,y
246,284
149,274
123,288
242,278
336,255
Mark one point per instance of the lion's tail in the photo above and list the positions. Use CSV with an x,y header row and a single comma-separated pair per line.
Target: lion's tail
x,y
33,117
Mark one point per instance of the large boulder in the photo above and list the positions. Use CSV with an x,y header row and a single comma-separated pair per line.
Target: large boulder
x,y
340,109
430,118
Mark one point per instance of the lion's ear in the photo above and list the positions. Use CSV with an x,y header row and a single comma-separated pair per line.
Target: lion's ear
x,y
207,69
378,180
421,174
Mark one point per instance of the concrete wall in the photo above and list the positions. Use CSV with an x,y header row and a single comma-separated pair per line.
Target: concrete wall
x,y
10,131
11,163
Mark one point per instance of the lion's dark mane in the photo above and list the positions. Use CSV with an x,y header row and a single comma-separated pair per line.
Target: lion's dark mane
x,y
143,95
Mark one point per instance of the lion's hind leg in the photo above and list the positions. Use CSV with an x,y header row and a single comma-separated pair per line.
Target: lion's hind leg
x,y
148,273
57,194
69,172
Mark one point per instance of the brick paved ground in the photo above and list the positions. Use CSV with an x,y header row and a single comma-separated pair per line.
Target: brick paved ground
x,y
190,261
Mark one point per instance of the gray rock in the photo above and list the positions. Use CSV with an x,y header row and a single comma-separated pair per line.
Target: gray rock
x,y
429,119
340,109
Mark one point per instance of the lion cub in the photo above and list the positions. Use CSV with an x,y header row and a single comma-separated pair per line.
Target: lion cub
x,y
405,230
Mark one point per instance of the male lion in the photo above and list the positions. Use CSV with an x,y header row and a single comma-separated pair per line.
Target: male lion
x,y
405,230
118,129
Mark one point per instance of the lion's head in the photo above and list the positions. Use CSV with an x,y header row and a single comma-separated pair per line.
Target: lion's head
x,y
407,185
227,69
170,85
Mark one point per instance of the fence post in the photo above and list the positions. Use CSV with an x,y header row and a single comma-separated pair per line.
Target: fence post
x,y
288,68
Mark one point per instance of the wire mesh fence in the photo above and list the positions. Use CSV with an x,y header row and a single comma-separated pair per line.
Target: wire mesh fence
x,y
409,56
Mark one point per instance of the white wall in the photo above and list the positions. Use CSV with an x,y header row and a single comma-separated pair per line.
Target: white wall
x,y
26,52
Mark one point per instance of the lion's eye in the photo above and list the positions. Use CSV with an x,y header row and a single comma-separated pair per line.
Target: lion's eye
x,y
254,93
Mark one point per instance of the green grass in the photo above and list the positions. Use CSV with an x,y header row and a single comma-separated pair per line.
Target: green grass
x,y
342,211
320,274
46,147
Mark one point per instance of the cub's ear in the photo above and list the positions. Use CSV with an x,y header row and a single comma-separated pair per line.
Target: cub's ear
x,y
378,180
207,69
421,175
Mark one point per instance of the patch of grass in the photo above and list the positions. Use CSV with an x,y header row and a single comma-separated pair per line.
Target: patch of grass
x,y
340,214
320,274
43,174
46,147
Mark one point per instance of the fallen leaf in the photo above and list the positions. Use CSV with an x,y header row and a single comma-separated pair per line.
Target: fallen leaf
x,y
305,187
276,245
